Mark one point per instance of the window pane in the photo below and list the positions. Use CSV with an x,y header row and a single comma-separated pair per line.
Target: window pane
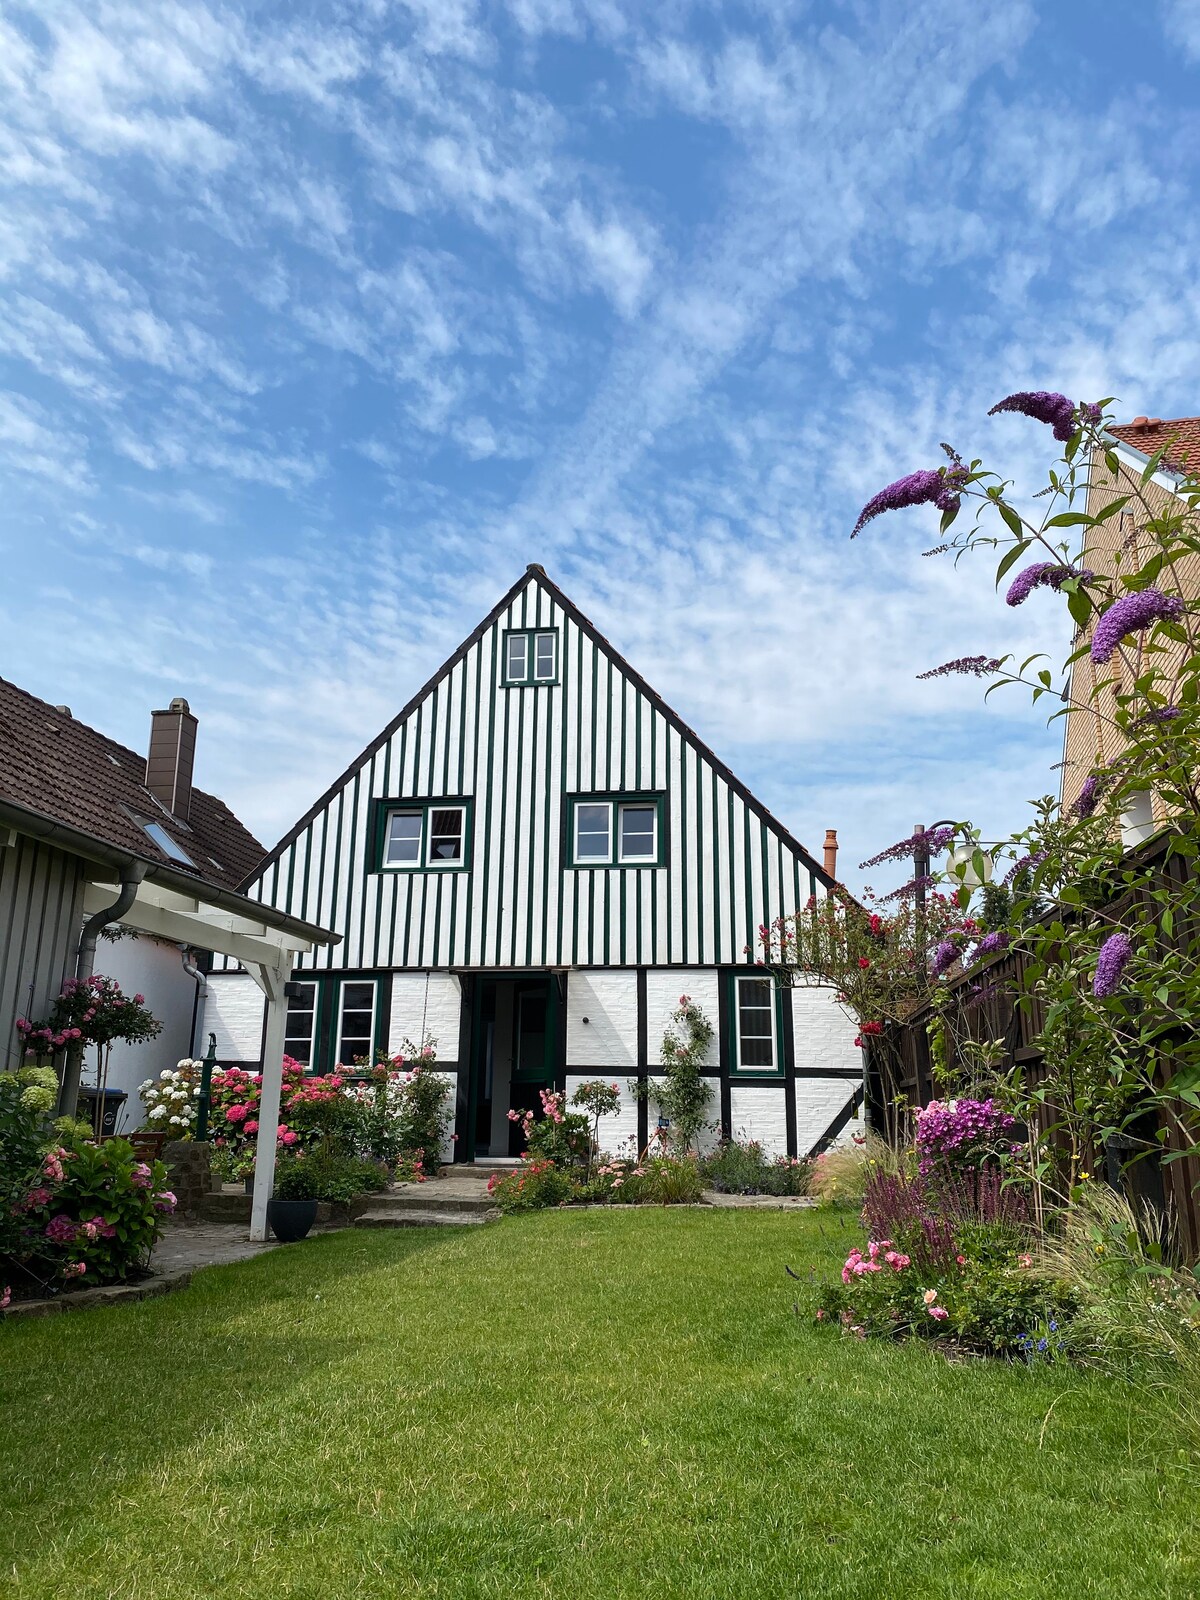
x,y
446,835
544,659
592,826
637,833
298,1028
356,1035
404,839
756,1023
514,666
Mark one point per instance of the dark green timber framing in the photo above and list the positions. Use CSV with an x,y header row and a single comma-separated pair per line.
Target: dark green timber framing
x,y
513,756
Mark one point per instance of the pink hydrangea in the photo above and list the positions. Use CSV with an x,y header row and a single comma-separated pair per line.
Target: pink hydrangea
x,y
61,1229
237,1113
74,1269
165,1201
938,1313
141,1177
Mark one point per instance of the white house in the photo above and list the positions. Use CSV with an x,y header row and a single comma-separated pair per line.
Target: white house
x,y
531,863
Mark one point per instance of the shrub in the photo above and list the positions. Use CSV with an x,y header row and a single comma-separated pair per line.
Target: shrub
x,y
327,1173
962,1135
424,1109
684,1094
735,1168
531,1187
89,1210
561,1136
598,1099
170,1099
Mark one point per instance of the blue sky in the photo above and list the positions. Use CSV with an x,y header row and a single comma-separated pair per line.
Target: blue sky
x,y
319,322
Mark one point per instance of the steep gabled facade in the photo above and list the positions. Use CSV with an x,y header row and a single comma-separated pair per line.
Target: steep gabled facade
x,y
531,863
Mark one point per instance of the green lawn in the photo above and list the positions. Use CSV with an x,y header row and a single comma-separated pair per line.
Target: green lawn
x,y
579,1404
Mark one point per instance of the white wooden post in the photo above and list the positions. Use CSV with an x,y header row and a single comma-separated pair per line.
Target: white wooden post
x,y
271,981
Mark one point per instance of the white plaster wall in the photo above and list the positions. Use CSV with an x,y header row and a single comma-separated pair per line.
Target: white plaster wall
x,y
154,970
822,1033
818,1103
609,1037
663,992
425,1003
447,1151
708,1138
234,1012
620,1129
760,1114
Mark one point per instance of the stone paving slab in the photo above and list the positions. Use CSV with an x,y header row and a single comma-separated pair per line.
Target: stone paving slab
x,y
759,1202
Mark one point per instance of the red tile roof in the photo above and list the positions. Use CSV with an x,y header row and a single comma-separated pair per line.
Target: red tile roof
x,y
1147,435
53,764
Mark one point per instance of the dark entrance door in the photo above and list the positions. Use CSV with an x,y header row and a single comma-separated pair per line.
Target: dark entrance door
x,y
513,1057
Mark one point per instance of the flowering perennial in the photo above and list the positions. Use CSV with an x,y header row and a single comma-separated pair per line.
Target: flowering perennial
x,y
966,666
1110,965
1043,574
1053,409
939,486
961,1133
1131,614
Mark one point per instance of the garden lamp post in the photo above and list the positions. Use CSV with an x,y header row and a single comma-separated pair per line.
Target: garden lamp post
x,y
921,860
205,1100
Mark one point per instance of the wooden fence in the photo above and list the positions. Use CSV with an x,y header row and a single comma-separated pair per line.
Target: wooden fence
x,y
983,1006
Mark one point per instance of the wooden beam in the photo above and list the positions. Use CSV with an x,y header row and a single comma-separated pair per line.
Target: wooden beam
x,y
182,929
271,979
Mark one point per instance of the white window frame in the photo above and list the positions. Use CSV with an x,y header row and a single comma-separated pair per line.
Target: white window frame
x,y
338,1037
436,864
404,811
523,639
637,805
774,1068
544,677
578,859
310,1064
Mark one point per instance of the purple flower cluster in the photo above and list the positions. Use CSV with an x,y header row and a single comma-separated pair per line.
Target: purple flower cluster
x,y
1022,863
1160,714
937,486
991,944
1129,615
1090,792
1110,965
961,1133
934,840
1054,409
1048,574
946,954
906,891
970,666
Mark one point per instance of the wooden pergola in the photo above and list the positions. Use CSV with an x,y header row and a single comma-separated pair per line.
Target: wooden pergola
x,y
170,905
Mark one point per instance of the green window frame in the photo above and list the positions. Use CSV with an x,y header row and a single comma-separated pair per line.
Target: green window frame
x,y
755,1025
529,657
420,835
616,831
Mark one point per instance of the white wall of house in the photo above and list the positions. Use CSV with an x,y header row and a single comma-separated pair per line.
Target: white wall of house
x,y
426,1005
822,1032
602,1021
234,1011
154,970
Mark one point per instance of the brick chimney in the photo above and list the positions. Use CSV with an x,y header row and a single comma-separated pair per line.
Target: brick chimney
x,y
831,852
172,755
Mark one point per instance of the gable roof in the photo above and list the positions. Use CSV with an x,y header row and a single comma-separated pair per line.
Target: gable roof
x,y
571,610
64,770
1147,435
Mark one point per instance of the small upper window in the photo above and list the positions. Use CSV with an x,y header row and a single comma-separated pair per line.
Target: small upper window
x,y
165,843
607,831
424,835
530,656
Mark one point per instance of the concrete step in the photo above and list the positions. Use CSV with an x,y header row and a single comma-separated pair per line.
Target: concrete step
x,y
424,1217
434,1197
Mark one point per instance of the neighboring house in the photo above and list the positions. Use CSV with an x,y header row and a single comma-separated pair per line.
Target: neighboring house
x,y
531,864
79,812
1091,739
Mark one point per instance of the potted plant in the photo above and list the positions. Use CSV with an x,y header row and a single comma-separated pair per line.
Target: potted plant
x,y
243,1167
293,1210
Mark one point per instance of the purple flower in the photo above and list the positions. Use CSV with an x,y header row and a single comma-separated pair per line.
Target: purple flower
x,y
1053,574
1110,964
1129,615
991,943
939,487
1023,864
945,956
907,890
1044,406
1160,714
934,840
972,666
1089,794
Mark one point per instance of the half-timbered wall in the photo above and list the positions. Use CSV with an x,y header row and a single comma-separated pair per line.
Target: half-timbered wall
x,y
516,753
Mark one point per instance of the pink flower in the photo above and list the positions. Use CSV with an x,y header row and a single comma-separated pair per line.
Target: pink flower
x,y
105,1230
141,1177
929,1296
288,1137
35,1199
5,1298
1024,1260
236,1113
962,1260
61,1229
820,1314
139,999
74,1269
90,1231
52,1169
938,1313
251,1127
165,1201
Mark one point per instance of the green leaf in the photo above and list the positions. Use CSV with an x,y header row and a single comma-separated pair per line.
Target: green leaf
x,y
1010,558
1080,607
1011,519
1070,519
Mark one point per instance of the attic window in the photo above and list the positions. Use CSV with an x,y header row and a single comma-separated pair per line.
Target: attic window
x,y
164,841
530,656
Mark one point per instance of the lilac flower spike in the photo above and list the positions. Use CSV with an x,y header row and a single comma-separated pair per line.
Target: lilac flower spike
x,y
1044,406
934,841
1088,798
940,488
991,943
944,957
969,666
1051,574
1110,964
1129,615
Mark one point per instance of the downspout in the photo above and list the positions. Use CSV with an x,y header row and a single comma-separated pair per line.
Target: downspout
x,y
85,964
193,971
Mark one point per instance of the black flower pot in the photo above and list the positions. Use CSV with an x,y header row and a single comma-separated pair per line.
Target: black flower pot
x,y
290,1220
